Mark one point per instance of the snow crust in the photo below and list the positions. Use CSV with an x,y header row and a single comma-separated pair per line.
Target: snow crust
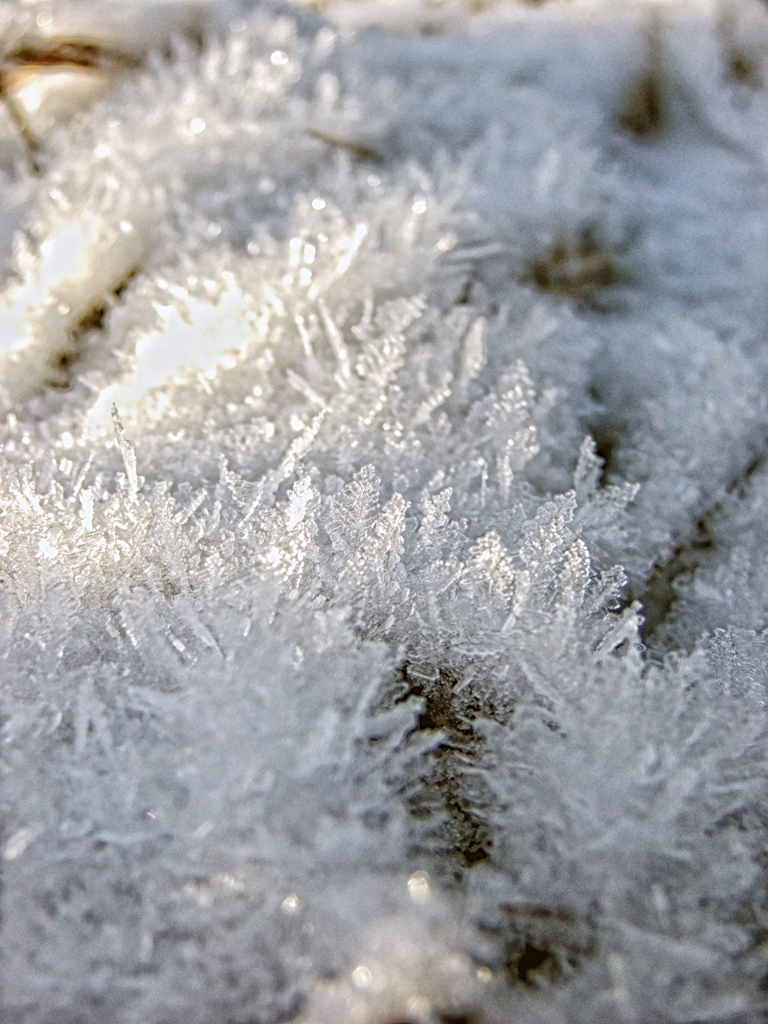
x,y
383,435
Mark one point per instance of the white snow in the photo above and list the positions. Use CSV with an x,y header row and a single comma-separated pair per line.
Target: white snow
x,y
383,435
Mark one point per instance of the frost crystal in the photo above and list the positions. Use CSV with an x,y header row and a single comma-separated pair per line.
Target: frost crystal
x,y
382,533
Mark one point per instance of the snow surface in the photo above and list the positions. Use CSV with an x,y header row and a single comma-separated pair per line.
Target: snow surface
x,y
383,431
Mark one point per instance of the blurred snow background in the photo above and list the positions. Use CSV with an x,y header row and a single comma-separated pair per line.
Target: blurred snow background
x,y
383,434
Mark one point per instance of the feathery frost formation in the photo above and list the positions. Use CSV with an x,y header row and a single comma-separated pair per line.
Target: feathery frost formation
x,y
382,548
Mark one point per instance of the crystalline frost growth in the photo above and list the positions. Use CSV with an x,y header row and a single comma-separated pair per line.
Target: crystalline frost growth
x,y
381,547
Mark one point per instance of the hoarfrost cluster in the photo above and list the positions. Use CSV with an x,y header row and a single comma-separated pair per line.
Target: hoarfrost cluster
x,y
383,547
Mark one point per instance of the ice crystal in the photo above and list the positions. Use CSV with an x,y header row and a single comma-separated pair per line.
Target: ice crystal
x,y
381,519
